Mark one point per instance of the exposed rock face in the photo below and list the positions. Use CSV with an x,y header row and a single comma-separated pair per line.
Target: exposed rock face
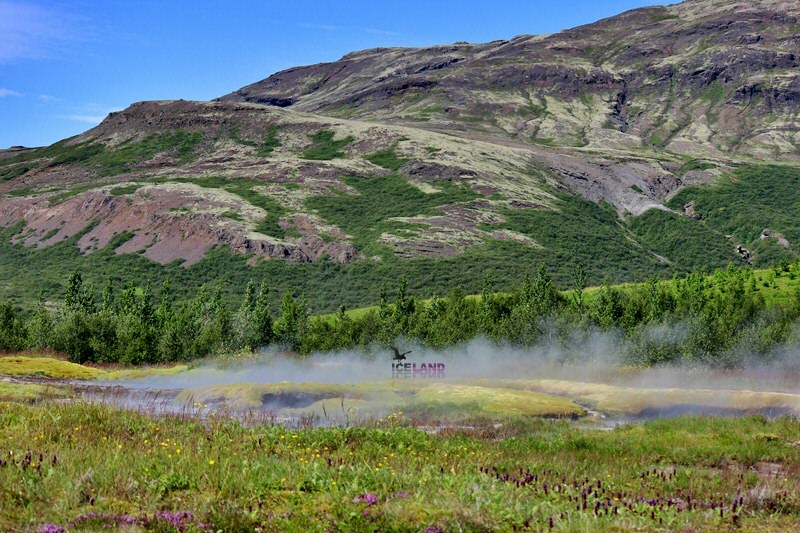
x,y
165,222
781,240
613,111
689,211
649,74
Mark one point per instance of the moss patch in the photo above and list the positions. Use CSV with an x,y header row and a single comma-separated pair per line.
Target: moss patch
x,y
324,147
333,400
500,400
387,159
47,367
143,373
637,401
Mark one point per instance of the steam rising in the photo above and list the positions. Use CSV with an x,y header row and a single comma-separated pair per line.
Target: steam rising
x,y
589,367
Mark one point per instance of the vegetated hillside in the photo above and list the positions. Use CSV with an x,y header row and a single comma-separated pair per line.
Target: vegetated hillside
x,y
438,164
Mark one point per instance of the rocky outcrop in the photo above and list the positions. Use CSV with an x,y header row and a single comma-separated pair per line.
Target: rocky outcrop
x,y
649,72
612,111
164,223
779,238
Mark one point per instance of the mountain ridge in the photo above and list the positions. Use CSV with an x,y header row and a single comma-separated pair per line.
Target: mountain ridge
x,y
398,158
354,87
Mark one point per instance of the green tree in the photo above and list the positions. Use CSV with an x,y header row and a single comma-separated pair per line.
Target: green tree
x,y
108,303
12,332
609,307
578,287
40,327
488,318
252,323
164,311
262,318
136,331
178,339
456,322
292,323
78,298
543,296
73,335
404,308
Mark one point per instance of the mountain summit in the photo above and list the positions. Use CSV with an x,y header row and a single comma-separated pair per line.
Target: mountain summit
x,y
697,78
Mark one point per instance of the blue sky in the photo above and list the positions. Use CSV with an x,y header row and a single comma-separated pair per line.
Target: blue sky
x,y
65,65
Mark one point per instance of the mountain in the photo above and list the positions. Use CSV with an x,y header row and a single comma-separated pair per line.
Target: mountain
x,y
701,78
654,142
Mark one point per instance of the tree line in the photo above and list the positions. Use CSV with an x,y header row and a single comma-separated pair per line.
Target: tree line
x,y
719,319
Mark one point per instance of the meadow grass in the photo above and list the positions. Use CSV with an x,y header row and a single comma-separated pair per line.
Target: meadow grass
x,y
82,467
32,392
49,365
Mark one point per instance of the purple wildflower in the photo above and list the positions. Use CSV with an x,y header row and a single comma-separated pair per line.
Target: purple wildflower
x,y
51,528
369,499
178,520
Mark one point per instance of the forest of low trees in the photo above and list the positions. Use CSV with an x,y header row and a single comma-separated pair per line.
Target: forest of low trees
x,y
720,319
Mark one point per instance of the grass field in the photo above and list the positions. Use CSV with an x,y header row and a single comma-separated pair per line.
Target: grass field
x,y
205,472
406,455
32,392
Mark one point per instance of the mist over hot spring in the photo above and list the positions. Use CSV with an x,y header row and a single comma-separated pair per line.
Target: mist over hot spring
x,y
589,368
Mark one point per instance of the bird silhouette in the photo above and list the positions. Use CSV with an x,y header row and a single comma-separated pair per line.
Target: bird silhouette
x,y
397,355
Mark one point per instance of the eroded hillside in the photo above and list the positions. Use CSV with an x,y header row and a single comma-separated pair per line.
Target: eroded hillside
x,y
627,144
182,177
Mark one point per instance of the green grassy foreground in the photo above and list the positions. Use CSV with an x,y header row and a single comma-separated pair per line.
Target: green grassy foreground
x,y
212,473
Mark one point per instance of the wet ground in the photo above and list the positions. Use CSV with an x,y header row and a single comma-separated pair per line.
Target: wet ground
x,y
288,406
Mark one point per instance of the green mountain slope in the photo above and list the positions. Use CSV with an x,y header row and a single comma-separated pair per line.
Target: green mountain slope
x,y
635,145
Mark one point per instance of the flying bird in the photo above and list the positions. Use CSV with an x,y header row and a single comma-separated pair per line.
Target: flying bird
x,y
397,355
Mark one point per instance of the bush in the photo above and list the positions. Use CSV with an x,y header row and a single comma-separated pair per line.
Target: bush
x,y
324,148
387,159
